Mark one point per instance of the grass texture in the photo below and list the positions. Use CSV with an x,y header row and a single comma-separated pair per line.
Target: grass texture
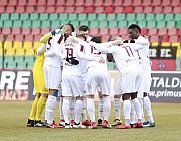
x,y
13,118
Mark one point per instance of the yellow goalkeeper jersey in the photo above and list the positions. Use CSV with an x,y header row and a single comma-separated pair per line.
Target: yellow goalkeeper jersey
x,y
40,60
38,74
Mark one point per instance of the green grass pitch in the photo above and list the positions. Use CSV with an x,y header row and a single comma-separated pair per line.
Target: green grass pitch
x,y
13,118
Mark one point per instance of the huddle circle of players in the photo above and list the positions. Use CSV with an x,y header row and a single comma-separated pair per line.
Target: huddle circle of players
x,y
74,67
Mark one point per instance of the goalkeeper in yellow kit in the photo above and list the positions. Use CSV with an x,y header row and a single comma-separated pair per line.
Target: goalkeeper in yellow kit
x,y
40,89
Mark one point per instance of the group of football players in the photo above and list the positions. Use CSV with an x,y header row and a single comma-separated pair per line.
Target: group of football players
x,y
74,66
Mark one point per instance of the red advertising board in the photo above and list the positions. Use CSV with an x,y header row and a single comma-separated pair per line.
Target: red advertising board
x,y
163,64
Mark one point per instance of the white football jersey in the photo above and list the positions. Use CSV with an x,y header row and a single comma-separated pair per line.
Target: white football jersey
x,y
125,56
97,55
85,49
54,46
92,56
144,52
81,53
71,50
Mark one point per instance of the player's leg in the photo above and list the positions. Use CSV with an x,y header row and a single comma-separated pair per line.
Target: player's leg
x,y
131,81
62,121
133,117
127,110
40,106
85,120
137,107
117,107
72,106
105,85
67,94
117,104
106,110
50,108
142,111
100,108
78,92
31,118
37,89
52,81
140,96
91,86
146,99
147,107
40,81
137,75
91,111
77,111
65,109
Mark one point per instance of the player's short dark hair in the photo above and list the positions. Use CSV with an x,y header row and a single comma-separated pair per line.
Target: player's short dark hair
x,y
97,39
135,26
83,36
83,28
71,25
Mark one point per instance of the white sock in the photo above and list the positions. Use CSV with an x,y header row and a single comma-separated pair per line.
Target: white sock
x,y
147,106
60,107
65,109
100,109
127,111
84,110
91,109
106,107
77,110
50,108
72,105
142,112
117,106
137,107
133,118
46,111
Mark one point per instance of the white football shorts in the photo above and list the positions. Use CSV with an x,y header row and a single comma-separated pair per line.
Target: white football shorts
x,y
98,77
52,77
72,85
131,81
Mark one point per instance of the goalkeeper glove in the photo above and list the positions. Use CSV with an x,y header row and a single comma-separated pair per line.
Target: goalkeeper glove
x,y
72,60
53,32
57,31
